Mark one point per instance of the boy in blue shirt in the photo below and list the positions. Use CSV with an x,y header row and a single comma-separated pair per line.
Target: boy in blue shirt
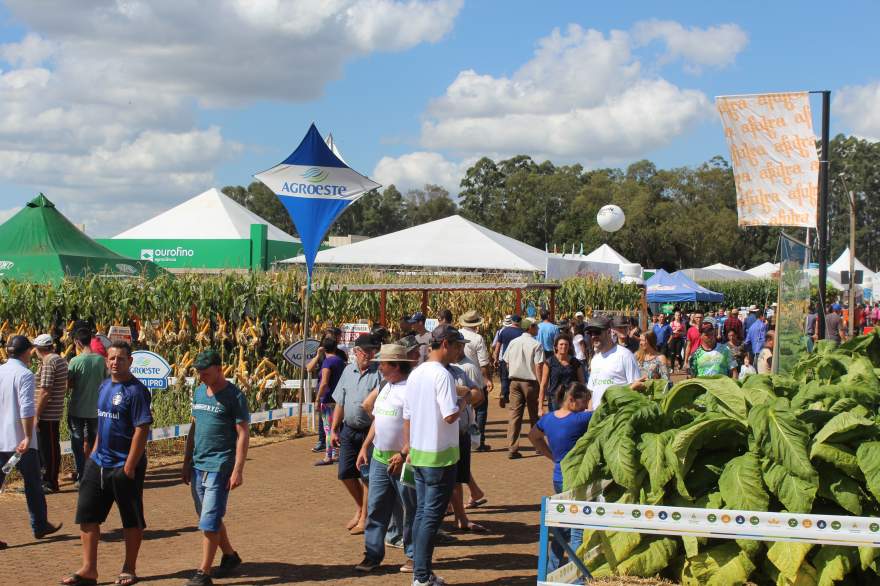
x,y
216,450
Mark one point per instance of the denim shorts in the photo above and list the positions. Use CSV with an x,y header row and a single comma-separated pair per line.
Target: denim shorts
x,y
210,491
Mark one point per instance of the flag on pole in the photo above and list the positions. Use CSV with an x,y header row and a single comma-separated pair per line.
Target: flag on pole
x,y
315,186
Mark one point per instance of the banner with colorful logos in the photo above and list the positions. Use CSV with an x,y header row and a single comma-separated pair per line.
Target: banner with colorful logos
x,y
773,151
718,523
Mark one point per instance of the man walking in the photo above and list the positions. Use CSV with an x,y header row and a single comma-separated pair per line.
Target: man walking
x,y
756,335
417,326
612,364
116,469
712,357
506,335
351,423
51,389
475,350
431,410
17,410
733,324
86,372
216,450
662,331
525,358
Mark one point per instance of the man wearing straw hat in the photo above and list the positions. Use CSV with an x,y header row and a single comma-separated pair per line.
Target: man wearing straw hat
x,y
475,350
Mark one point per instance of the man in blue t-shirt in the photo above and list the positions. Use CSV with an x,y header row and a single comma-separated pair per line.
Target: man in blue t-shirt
x,y
116,469
547,332
662,331
216,450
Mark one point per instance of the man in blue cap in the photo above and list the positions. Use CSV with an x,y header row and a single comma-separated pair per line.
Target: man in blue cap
x,y
423,336
216,450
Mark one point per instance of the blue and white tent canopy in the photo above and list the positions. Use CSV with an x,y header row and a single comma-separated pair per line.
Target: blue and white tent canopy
x,y
675,288
315,186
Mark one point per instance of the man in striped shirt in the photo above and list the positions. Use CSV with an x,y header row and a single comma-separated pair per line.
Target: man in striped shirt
x,y
52,388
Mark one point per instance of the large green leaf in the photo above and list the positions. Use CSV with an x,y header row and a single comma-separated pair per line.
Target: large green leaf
x,y
846,427
742,485
839,456
619,453
725,396
788,556
840,488
682,394
650,558
683,449
795,494
782,438
868,456
652,455
834,562
721,565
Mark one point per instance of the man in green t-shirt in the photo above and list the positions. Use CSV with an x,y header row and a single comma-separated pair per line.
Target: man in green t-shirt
x,y
216,450
85,372
711,357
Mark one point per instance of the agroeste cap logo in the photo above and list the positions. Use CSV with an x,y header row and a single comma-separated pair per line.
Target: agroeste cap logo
x,y
315,175
5,265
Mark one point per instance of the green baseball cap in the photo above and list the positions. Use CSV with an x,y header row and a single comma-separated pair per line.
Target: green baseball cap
x,y
206,359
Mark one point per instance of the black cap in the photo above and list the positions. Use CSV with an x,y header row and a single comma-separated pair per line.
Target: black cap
x,y
515,318
18,344
448,333
206,359
366,342
599,322
409,342
620,321
416,317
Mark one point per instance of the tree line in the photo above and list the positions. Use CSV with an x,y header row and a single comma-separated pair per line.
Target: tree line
x,y
675,218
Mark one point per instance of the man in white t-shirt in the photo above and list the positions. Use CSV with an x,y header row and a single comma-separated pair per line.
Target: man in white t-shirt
x,y
612,364
431,409
423,336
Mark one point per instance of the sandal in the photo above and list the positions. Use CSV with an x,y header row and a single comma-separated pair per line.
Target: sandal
x,y
126,579
473,528
77,580
473,504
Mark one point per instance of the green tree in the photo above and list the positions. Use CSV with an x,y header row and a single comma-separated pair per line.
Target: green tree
x,y
428,204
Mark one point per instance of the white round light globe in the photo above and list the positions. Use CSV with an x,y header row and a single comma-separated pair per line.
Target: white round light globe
x,y
610,218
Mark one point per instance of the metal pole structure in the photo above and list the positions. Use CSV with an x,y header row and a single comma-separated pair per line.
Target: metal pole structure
x,y
852,263
823,209
302,365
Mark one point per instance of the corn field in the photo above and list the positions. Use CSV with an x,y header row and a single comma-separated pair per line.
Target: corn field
x,y
252,318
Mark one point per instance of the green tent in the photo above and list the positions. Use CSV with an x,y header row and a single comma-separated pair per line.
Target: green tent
x,y
40,244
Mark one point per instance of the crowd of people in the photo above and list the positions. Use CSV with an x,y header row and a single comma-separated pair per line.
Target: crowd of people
x,y
398,418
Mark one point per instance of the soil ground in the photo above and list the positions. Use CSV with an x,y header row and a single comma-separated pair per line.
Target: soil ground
x,y
288,523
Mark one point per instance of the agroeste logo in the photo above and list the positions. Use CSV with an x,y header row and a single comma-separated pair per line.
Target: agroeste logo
x,y
5,265
315,175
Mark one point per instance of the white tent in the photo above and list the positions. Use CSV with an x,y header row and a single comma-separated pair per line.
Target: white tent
x,y
453,243
719,272
764,270
606,254
842,264
209,215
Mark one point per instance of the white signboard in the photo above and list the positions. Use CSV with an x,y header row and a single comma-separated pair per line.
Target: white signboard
x,y
775,164
151,369
119,334
559,268
294,353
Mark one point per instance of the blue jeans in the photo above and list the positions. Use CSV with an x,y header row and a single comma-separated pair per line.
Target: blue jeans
x,y
29,467
82,437
433,491
481,413
210,492
384,504
574,537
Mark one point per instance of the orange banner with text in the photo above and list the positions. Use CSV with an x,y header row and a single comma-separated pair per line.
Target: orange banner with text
x,y
775,164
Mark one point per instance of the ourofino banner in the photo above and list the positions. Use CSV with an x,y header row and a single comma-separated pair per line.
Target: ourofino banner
x,y
775,164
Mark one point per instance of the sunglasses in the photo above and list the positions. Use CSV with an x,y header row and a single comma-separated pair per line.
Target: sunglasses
x,y
594,331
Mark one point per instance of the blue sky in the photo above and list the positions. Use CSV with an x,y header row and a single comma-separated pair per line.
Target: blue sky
x,y
122,109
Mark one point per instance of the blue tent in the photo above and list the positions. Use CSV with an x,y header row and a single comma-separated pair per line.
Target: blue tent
x,y
665,288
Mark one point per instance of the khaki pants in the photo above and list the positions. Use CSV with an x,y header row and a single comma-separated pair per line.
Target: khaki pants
x,y
522,394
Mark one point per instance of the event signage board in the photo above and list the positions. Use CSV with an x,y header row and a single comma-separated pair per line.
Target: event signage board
x,y
559,268
119,334
775,164
294,353
151,369
717,523
199,253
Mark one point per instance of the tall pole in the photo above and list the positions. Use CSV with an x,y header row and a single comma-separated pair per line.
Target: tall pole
x,y
302,364
823,210
852,263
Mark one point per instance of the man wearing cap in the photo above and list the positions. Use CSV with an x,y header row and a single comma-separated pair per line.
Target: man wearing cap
x,y
751,318
712,357
51,390
86,372
510,331
525,358
17,410
612,364
116,469
351,423
431,409
423,336
213,462
621,326
475,350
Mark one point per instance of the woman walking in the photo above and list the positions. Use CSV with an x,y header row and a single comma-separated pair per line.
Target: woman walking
x,y
561,369
331,371
676,341
652,364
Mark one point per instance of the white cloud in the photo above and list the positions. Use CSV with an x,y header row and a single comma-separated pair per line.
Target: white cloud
x,y
715,46
6,214
858,107
99,105
415,170
583,96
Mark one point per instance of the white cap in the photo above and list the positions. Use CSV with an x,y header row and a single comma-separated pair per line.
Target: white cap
x,y
579,314
43,341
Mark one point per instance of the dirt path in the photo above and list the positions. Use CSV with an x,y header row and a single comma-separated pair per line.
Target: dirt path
x,y
288,523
